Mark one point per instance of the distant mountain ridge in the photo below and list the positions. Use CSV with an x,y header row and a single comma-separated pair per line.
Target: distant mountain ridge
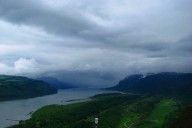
x,y
54,82
18,87
128,82
165,83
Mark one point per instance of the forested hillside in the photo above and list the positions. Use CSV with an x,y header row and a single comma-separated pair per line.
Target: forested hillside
x,y
17,87
167,84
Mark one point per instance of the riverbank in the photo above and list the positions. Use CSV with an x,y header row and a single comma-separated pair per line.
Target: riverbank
x,y
16,110
113,110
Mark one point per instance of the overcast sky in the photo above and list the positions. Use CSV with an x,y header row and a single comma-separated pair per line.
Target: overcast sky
x,y
95,42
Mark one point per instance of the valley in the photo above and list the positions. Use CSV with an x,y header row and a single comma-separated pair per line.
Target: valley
x,y
113,111
155,101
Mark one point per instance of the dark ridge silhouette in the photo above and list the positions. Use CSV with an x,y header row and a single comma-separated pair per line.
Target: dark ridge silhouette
x,y
166,83
17,87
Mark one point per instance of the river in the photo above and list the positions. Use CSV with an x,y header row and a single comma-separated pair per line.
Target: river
x,y
11,112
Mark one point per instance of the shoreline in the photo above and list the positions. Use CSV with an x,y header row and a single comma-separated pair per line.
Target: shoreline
x,y
22,108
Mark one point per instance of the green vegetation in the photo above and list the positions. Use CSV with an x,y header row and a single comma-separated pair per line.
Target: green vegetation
x,y
135,114
113,111
103,96
16,87
157,117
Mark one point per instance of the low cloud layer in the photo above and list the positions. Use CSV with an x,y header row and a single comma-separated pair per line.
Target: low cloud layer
x,y
94,42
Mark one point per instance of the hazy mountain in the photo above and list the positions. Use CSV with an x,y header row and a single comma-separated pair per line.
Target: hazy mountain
x,y
128,82
17,87
166,83
53,82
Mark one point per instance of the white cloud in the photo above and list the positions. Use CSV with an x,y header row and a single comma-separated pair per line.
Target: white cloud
x,y
4,69
26,65
22,66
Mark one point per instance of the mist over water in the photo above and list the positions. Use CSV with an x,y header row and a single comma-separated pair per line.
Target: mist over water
x,y
14,111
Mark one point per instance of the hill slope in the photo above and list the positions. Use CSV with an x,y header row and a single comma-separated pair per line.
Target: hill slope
x,y
173,84
17,87
53,82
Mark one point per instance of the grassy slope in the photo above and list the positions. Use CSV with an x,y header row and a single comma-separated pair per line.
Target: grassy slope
x,y
136,113
158,116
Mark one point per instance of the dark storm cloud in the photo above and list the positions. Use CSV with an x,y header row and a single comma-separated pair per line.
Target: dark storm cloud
x,y
185,45
85,78
95,42
39,15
